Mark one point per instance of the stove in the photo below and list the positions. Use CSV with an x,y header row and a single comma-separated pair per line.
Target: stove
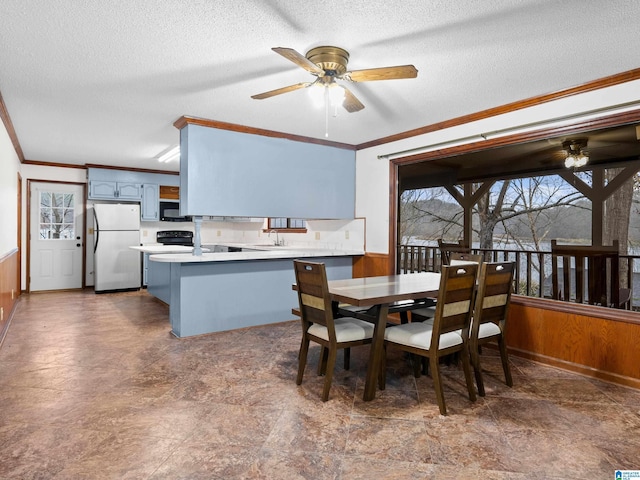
x,y
175,237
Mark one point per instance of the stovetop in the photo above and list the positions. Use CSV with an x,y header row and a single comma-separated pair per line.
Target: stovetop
x,y
175,237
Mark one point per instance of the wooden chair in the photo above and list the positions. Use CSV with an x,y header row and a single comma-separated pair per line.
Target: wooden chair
x,y
490,316
320,325
447,248
590,274
455,258
448,334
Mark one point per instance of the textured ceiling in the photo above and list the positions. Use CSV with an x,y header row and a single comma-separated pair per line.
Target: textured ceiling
x,y
102,82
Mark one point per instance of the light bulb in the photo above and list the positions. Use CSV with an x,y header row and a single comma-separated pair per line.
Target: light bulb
x,y
316,92
336,95
582,160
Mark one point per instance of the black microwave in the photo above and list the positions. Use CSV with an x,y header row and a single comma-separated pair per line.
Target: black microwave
x,y
170,212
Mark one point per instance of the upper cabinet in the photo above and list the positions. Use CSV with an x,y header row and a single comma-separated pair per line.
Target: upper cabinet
x,y
132,186
110,190
149,207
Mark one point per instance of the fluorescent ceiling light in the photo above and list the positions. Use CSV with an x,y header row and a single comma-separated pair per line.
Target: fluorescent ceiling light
x,y
170,155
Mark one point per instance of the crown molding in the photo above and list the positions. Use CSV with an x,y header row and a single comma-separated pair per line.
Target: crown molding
x,y
187,120
8,125
612,80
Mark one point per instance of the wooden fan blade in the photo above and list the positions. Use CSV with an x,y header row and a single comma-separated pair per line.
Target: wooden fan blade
x,y
278,91
383,73
351,104
299,59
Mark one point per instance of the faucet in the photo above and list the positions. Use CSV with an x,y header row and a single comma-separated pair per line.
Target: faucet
x,y
277,241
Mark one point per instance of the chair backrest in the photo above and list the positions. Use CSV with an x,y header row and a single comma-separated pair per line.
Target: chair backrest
x,y
460,258
313,295
447,248
590,274
455,300
494,295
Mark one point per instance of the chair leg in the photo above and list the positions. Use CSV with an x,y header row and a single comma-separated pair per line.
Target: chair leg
x,y
302,359
475,362
331,363
437,384
505,362
322,361
416,363
347,358
466,367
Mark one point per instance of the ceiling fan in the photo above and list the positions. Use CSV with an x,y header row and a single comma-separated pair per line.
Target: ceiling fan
x,y
329,64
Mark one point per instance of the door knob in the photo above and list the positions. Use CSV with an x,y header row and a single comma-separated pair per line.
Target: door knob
x,y
78,244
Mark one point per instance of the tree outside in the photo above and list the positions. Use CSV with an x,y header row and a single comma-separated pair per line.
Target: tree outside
x,y
524,213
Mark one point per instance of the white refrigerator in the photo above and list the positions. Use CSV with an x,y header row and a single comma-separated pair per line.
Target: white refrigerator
x,y
116,266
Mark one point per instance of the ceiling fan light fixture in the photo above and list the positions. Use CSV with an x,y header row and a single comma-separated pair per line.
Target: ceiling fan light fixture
x,y
576,156
328,64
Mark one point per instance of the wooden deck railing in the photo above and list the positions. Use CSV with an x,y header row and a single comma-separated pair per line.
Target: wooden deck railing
x,y
533,268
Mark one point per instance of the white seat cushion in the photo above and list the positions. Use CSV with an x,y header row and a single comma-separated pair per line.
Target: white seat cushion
x,y
488,329
418,335
347,330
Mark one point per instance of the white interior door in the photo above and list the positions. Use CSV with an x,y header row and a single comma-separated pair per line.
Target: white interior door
x,y
57,229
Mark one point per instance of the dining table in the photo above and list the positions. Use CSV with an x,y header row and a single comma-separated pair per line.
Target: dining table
x,y
380,296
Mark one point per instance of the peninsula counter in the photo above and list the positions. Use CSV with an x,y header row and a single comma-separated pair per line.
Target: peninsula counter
x,y
221,291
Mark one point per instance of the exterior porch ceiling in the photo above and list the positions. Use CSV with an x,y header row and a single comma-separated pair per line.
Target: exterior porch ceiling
x,y
607,147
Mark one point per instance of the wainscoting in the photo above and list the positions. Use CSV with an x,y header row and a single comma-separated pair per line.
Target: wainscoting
x,y
9,288
595,341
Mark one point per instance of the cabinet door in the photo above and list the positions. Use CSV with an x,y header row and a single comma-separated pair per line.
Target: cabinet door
x,y
145,269
103,189
149,210
129,191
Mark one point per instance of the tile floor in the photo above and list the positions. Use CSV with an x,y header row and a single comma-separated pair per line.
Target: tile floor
x,y
95,387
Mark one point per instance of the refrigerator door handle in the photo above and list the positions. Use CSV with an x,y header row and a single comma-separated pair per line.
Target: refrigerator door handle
x,y
97,232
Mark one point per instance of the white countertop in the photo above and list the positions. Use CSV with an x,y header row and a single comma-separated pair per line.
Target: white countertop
x,y
262,252
164,249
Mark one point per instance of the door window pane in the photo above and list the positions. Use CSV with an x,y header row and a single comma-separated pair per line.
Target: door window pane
x,y
57,216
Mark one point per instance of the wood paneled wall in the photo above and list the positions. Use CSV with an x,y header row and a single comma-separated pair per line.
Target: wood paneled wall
x,y
9,288
580,338
371,265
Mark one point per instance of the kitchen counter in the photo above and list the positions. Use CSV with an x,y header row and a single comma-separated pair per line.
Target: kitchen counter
x,y
257,252
164,249
220,291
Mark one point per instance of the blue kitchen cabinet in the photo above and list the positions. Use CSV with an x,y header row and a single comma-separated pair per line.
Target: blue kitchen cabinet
x,y
149,208
110,190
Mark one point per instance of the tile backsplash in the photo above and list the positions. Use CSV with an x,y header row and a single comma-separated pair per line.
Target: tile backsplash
x,y
331,234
